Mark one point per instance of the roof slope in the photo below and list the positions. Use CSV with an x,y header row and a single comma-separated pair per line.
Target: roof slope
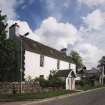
x,y
39,48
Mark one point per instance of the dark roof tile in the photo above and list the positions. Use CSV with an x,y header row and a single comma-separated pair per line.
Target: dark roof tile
x,y
34,46
63,73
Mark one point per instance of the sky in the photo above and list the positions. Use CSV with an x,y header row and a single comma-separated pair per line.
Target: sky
x,y
74,24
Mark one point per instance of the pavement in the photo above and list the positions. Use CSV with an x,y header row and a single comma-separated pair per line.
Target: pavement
x,y
91,97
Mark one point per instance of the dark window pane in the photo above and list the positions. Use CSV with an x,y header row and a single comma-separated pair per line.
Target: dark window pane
x,y
41,60
58,64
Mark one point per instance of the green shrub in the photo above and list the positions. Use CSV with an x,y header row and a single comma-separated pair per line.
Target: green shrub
x,y
43,83
52,82
56,82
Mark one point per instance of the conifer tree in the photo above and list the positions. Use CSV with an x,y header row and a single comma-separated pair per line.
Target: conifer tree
x,y
9,70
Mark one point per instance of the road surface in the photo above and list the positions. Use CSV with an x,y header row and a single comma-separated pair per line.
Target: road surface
x,y
96,97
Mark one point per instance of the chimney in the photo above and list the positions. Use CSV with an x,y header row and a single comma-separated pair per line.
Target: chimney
x,y
64,51
14,31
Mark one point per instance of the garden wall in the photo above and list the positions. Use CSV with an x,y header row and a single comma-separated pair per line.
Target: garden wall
x,y
14,87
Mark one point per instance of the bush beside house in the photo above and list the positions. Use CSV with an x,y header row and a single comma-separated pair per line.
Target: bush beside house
x,y
53,82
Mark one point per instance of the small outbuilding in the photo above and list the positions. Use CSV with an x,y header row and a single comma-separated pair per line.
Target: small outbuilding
x,y
68,76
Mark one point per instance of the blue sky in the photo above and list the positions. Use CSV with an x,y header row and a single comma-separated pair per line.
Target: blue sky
x,y
35,11
76,24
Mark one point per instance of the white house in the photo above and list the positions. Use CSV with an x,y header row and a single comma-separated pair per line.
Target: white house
x,y
40,59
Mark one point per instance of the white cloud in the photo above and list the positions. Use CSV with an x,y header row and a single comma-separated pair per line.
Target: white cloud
x,y
8,8
93,33
95,19
57,34
23,28
51,32
90,53
57,7
92,3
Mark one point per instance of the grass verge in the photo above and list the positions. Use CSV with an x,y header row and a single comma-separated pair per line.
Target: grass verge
x,y
33,96
88,87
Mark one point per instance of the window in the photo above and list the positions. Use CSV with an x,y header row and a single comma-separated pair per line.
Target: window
x,y
58,64
42,76
69,66
41,60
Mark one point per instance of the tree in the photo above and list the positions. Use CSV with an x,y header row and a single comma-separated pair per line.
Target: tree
x,y
101,64
3,26
8,54
102,60
101,67
76,59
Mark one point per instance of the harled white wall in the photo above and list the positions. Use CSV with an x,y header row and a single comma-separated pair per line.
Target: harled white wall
x,y
32,65
64,65
73,67
70,83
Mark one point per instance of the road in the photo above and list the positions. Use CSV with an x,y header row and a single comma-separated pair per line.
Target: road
x,y
96,97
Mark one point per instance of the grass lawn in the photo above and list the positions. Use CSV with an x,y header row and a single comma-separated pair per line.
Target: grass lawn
x,y
33,96
87,87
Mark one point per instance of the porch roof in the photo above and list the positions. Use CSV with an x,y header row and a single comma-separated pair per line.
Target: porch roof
x,y
65,73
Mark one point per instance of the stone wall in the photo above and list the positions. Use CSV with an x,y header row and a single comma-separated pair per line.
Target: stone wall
x,y
11,87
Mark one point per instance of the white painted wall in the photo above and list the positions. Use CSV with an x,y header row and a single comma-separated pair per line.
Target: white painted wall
x,y
73,67
49,64
64,65
70,83
32,65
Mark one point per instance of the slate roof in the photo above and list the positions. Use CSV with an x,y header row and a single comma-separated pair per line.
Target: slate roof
x,y
34,46
63,73
92,73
